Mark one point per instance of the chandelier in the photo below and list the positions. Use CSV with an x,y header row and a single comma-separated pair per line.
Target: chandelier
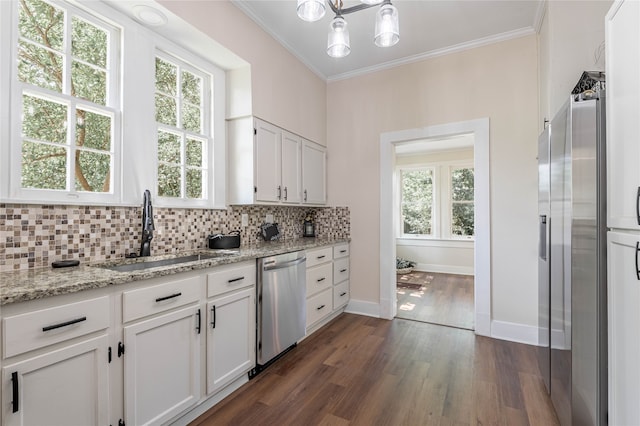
x,y
387,31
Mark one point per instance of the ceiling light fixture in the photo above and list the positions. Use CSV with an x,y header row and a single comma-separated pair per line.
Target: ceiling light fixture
x,y
387,28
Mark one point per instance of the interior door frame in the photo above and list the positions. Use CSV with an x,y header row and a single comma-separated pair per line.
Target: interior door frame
x,y
482,204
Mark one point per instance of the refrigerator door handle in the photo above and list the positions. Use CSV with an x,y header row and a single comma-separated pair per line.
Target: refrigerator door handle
x,y
637,252
542,240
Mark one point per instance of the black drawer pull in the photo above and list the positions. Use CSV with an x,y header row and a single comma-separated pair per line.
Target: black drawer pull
x,y
161,299
320,279
320,307
321,257
15,404
343,251
199,321
63,324
343,293
235,279
638,205
343,270
637,262
213,316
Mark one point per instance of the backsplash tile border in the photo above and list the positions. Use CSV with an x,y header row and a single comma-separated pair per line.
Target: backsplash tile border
x,y
33,236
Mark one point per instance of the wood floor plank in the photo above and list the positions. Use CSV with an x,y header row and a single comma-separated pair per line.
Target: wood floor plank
x,y
366,371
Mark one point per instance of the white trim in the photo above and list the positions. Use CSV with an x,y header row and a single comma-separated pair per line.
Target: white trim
x,y
362,307
514,332
435,242
541,11
482,251
444,269
497,38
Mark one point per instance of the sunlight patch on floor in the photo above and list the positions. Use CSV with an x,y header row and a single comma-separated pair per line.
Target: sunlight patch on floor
x,y
407,307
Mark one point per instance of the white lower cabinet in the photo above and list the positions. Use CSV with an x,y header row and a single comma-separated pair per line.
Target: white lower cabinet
x,y
66,387
231,337
319,306
624,319
162,366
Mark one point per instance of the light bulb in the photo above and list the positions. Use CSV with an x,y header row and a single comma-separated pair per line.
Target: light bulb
x,y
311,10
387,31
338,39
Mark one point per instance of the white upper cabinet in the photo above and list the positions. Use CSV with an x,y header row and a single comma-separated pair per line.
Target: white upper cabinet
x,y
314,173
267,162
269,165
623,115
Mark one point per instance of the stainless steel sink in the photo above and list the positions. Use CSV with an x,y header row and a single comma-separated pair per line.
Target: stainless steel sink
x,y
142,265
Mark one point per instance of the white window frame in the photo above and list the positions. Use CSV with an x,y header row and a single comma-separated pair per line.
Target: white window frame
x,y
453,236
441,216
135,130
13,189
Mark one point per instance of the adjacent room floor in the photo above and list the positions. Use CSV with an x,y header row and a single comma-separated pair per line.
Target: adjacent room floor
x,y
367,371
444,299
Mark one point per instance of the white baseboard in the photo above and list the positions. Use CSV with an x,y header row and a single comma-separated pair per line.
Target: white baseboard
x,y
362,307
444,269
513,332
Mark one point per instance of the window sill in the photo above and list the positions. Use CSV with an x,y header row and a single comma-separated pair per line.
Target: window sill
x,y
435,242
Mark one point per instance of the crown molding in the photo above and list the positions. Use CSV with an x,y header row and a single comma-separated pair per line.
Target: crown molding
x,y
541,11
509,35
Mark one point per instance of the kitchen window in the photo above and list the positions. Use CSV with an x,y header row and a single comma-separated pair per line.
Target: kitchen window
x,y
66,98
436,201
183,117
101,108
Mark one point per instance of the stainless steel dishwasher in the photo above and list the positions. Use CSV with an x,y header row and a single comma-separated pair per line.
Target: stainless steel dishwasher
x,y
281,308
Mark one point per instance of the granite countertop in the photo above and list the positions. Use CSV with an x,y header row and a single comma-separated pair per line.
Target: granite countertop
x,y
22,286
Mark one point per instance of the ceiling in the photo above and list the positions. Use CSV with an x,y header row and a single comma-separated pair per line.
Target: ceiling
x,y
427,28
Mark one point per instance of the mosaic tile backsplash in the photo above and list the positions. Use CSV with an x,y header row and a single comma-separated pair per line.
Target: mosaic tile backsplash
x,y
33,236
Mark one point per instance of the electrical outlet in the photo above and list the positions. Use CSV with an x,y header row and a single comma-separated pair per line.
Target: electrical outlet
x,y
268,218
245,219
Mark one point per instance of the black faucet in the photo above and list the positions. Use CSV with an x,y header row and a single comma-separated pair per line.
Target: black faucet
x,y
147,225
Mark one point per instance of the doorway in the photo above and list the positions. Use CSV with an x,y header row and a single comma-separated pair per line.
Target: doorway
x,y
388,214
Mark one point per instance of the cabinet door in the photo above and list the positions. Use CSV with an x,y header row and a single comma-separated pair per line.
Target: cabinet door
x,y
314,165
65,387
267,162
162,366
231,338
623,110
624,321
291,168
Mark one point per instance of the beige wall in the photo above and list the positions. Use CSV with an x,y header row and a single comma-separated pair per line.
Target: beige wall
x,y
497,81
283,90
571,41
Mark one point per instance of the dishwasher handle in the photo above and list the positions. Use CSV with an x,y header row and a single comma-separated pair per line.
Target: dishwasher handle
x,y
270,266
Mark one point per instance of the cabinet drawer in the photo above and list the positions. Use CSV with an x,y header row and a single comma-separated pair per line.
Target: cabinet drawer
x,y
37,329
319,278
159,298
340,270
318,256
340,295
341,250
319,306
231,277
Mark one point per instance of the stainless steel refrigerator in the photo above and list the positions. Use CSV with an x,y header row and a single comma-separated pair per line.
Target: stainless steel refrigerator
x,y
572,260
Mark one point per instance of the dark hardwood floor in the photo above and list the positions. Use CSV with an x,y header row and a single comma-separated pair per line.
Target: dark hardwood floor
x,y
366,371
445,299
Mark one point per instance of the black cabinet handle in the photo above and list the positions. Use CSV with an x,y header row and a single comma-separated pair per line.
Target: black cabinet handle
x,y
343,293
64,324
637,262
343,270
638,205
15,404
343,251
279,192
321,257
320,307
213,316
198,326
160,299
320,279
233,280
305,195
285,193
